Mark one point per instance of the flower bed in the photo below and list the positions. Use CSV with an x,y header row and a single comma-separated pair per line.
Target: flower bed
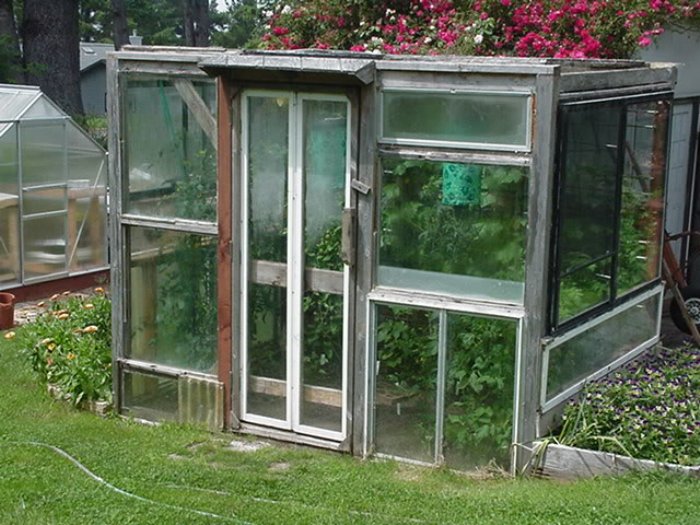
x,y
69,345
647,410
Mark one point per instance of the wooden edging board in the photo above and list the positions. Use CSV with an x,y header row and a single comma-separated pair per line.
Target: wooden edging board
x,y
570,463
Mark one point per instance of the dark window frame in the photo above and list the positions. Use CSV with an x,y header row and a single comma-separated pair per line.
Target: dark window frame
x,y
565,110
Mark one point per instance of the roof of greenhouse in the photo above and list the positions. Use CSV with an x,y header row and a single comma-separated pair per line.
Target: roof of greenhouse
x,y
24,102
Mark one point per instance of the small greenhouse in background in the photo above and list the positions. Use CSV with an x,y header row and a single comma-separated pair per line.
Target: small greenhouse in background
x,y
53,177
414,257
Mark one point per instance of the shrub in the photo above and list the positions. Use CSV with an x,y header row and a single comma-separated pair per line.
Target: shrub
x,y
648,410
69,345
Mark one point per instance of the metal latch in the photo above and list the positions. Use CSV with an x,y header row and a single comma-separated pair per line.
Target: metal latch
x,y
360,186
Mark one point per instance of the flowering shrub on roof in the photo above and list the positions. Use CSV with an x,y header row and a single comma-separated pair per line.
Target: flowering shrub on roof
x,y
543,28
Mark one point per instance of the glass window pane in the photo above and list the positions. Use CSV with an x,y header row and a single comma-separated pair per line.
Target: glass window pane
x,y
600,345
587,197
268,150
170,158
325,167
44,200
172,299
9,208
43,149
322,361
479,389
44,245
454,228
87,203
149,397
642,194
407,361
471,118
267,351
584,288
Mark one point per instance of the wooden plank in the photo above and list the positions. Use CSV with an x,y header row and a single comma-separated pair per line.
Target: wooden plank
x,y
198,107
312,394
570,463
118,249
316,279
534,327
224,255
236,179
365,155
600,80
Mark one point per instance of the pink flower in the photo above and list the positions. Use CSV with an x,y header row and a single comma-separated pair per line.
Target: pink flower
x,y
644,41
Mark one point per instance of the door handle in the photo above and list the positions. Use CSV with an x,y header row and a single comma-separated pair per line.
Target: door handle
x,y
347,239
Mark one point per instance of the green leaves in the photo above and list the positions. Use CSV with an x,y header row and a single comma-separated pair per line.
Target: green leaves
x,y
70,346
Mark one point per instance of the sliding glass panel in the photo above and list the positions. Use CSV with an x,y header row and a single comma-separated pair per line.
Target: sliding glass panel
x,y
488,119
268,139
170,153
600,345
9,207
587,209
407,361
44,245
325,168
322,361
266,392
584,288
172,299
453,228
479,389
642,194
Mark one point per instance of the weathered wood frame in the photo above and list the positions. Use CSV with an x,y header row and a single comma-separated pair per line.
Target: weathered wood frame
x,y
363,77
174,65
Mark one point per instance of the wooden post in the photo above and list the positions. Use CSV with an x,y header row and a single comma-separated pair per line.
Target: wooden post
x,y
224,255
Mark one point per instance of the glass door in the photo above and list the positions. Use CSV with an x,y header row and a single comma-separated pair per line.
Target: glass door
x,y
294,289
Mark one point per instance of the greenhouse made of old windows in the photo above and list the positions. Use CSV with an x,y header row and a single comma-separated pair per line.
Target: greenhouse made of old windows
x,y
53,176
411,257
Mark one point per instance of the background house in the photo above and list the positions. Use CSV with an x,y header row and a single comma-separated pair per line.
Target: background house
x,y
682,210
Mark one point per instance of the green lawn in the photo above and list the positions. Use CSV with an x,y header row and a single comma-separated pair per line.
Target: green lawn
x,y
176,471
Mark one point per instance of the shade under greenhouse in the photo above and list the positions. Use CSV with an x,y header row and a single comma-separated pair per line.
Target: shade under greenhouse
x,y
53,218
412,257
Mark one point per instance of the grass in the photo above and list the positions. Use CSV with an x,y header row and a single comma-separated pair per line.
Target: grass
x,y
178,469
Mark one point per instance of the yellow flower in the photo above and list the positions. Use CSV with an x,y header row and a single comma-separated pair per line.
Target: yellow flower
x,y
9,335
99,289
63,317
51,346
89,306
90,329
70,356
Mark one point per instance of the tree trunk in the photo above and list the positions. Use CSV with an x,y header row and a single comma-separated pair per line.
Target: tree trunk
x,y
10,57
52,50
121,28
197,23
